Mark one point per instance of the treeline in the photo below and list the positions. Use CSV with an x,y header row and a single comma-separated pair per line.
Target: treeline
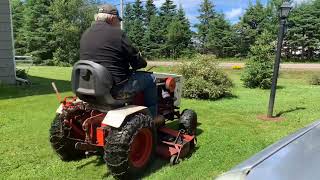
x,y
50,30
165,32
303,38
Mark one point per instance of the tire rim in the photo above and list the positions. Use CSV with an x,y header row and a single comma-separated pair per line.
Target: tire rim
x,y
141,148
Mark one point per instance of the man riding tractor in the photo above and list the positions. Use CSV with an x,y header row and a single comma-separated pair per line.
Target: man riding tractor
x,y
106,44
118,111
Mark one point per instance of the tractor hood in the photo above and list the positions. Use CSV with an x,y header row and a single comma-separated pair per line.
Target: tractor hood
x,y
294,157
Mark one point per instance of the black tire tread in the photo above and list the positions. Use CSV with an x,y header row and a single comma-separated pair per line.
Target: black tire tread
x,y
64,147
118,143
188,121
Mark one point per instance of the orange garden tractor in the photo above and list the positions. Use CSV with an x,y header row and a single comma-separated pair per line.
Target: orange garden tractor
x,y
94,122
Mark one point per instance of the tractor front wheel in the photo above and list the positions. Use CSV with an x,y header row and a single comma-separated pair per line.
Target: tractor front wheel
x,y
130,148
188,121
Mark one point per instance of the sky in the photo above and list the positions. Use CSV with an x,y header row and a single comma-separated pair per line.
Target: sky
x,y
233,9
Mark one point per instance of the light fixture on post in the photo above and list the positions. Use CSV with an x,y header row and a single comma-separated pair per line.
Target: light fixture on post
x,y
284,10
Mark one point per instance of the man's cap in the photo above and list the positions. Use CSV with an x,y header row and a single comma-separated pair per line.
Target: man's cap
x,y
109,9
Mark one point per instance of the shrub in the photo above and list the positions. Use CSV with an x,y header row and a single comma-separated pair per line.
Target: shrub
x,y
204,80
315,80
259,69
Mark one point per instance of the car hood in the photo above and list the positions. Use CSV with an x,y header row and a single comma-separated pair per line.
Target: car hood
x,y
294,157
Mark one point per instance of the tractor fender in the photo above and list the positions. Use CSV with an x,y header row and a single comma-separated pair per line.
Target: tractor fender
x,y
116,117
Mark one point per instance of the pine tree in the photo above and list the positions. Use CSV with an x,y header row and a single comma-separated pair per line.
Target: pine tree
x,y
151,23
179,35
181,17
153,38
168,9
259,68
150,10
175,38
136,32
303,31
17,7
207,13
128,19
271,22
36,30
17,18
167,13
184,34
221,38
68,25
252,24
138,11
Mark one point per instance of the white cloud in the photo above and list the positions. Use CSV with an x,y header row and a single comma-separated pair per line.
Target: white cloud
x,y
234,13
158,3
300,1
185,3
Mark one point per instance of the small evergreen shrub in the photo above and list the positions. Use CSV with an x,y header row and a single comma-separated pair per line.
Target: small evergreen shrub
x,y
204,80
259,69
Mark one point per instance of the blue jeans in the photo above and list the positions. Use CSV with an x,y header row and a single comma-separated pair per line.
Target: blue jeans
x,y
146,83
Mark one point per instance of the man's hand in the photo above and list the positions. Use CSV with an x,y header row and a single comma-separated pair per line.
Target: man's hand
x,y
138,62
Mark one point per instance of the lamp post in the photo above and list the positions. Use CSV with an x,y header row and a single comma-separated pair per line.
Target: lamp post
x,y
283,14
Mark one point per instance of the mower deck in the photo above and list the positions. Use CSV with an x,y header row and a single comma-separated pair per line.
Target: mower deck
x,y
174,143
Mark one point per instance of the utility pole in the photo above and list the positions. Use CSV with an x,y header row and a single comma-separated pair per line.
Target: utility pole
x,y
121,12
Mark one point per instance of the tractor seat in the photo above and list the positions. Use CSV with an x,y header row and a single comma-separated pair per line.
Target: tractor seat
x,y
92,83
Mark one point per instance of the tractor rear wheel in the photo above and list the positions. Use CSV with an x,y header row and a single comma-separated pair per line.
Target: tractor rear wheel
x,y
188,121
130,148
63,146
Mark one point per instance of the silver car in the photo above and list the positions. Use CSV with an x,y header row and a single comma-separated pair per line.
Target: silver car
x,y
295,157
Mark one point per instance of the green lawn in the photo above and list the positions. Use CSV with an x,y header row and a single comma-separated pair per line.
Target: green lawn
x,y
228,129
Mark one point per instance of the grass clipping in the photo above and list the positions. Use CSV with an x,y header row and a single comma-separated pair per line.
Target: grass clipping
x,y
204,80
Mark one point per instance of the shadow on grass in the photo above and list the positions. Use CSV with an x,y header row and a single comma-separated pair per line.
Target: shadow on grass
x,y
39,86
228,96
98,161
289,111
175,125
159,162
281,87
